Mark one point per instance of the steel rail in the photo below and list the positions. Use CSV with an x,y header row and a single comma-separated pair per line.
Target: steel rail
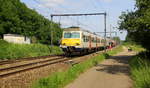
x,y
34,67
3,62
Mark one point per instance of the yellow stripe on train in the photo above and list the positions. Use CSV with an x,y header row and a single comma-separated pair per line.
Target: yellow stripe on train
x,y
71,42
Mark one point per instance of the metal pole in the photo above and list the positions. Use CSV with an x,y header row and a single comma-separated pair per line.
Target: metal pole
x,y
116,34
82,15
51,30
110,32
105,30
78,14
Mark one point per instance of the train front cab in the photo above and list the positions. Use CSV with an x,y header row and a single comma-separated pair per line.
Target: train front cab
x,y
71,41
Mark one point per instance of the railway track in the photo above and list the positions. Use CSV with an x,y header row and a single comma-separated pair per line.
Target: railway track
x,y
3,62
11,70
35,62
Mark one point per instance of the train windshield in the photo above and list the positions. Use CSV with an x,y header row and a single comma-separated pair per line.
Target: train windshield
x,y
72,35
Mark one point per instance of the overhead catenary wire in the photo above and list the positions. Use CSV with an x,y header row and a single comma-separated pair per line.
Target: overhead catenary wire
x,y
60,12
83,15
81,23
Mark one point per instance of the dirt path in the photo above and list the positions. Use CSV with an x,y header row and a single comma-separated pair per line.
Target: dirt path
x,y
112,73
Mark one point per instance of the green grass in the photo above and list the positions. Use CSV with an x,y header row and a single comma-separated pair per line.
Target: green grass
x,y
15,51
134,47
60,79
140,67
140,72
115,50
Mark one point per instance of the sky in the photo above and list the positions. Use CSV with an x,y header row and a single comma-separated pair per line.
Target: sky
x,y
113,8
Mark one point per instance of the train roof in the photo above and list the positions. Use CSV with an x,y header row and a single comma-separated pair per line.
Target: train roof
x,y
75,29
79,29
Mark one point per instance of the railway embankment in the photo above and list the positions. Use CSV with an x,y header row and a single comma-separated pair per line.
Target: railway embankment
x,y
60,79
111,73
10,51
22,73
140,67
140,71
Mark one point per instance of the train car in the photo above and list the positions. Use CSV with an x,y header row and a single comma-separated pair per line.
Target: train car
x,y
110,43
76,39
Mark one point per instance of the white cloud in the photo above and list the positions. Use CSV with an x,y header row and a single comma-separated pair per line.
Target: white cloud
x,y
51,3
107,0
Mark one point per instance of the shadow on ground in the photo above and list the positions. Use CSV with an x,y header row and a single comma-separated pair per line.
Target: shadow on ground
x,y
120,67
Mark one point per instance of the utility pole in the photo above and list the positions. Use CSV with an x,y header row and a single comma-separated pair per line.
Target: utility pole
x,y
53,15
105,30
110,32
51,26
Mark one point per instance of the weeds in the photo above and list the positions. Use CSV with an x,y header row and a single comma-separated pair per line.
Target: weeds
x,y
140,67
140,70
14,51
115,51
134,47
60,79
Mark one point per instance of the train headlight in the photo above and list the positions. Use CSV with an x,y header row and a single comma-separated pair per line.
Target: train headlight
x,y
64,44
77,44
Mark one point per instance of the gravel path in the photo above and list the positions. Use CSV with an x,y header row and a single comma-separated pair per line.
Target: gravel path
x,y
112,73
26,79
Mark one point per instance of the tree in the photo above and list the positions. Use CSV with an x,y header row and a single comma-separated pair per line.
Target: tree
x,y
16,18
137,23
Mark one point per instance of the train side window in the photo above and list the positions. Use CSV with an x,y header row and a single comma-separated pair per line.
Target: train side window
x,y
98,41
93,40
87,38
84,38
103,41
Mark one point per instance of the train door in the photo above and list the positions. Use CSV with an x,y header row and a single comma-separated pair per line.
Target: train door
x,y
90,42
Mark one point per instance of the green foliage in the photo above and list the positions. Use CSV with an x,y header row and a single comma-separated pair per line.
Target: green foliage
x,y
16,18
60,79
115,51
117,39
137,23
15,51
134,46
140,72
140,67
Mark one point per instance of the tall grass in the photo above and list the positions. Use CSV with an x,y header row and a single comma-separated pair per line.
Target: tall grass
x,y
140,72
115,51
133,46
60,79
13,51
140,67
